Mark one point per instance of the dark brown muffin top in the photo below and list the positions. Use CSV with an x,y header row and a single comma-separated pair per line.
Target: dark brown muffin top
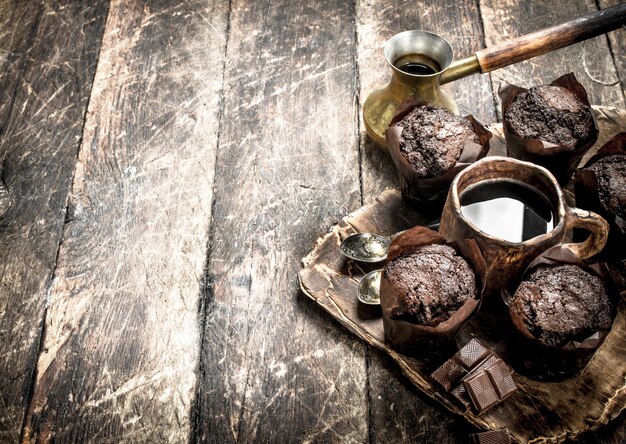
x,y
562,303
433,138
432,283
550,113
610,172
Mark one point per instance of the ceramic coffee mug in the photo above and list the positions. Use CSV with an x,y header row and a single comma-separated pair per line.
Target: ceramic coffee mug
x,y
505,259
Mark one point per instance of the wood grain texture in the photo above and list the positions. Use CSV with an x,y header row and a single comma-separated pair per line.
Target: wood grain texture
x,y
275,368
170,322
552,38
591,61
48,54
617,44
399,413
121,333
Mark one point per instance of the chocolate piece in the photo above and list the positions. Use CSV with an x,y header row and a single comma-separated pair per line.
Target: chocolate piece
x,y
458,366
449,374
500,375
472,353
484,364
481,392
460,394
492,377
501,436
475,365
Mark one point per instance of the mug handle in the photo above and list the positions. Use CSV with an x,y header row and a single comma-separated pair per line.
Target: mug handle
x,y
592,222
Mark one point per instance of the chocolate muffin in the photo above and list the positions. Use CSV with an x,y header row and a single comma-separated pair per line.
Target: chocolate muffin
x,y
433,138
562,303
610,173
432,282
550,113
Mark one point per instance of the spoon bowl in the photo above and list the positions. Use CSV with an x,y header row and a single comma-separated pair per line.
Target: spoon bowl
x,y
366,247
369,288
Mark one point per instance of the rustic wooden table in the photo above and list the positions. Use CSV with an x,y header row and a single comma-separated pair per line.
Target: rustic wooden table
x,y
164,167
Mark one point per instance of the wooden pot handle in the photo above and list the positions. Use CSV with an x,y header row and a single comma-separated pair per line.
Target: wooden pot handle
x,y
549,39
592,222
537,43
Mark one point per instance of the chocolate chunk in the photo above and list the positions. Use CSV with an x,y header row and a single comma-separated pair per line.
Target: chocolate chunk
x,y
460,394
449,374
467,358
490,361
474,365
481,392
471,354
500,375
489,383
501,436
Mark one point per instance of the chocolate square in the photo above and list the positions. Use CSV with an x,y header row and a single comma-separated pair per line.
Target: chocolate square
x,y
448,374
481,392
471,354
476,387
500,375
460,394
501,436
489,362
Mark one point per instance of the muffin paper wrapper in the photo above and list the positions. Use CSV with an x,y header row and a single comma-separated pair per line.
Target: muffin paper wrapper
x,y
430,189
559,159
545,362
586,188
414,339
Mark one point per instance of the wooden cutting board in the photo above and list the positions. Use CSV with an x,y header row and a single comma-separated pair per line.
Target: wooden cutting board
x,y
538,411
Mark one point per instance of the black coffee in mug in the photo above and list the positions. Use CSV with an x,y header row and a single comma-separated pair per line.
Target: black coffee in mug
x,y
507,209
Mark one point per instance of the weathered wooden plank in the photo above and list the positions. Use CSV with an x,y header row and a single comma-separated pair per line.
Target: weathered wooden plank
x,y
121,337
398,413
591,61
617,44
48,53
274,366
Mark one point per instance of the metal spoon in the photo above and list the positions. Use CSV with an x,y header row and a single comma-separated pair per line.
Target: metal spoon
x,y
366,247
370,247
369,288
